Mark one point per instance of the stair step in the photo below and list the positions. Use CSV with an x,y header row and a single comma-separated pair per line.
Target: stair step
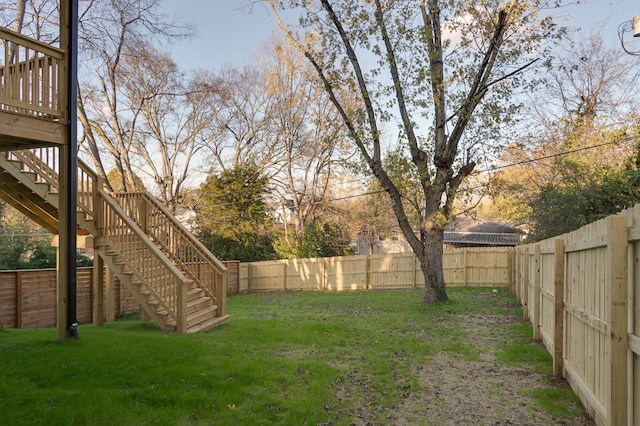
x,y
132,259
201,315
195,293
199,303
209,324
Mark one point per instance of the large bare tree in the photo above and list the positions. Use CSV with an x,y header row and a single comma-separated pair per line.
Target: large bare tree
x,y
308,132
436,68
111,33
243,133
176,113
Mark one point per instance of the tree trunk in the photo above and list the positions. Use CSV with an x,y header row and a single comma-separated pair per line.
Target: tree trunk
x,y
431,264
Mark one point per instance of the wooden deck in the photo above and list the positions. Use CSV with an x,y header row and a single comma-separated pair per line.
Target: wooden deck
x,y
33,92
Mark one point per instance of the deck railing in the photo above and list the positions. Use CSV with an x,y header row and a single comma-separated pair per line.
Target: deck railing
x,y
183,248
31,77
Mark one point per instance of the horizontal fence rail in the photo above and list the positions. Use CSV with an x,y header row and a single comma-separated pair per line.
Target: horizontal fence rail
x,y
31,77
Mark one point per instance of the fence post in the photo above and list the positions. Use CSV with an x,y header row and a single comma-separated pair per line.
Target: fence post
x,y
525,284
536,295
324,274
517,267
414,281
558,297
511,267
464,267
19,299
284,274
617,319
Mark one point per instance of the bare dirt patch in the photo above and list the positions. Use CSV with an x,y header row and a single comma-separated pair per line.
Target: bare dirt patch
x,y
457,392
452,390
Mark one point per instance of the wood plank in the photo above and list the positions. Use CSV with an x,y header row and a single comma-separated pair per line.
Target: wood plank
x,y
535,320
617,319
634,343
586,244
525,286
593,405
19,299
586,318
558,317
22,131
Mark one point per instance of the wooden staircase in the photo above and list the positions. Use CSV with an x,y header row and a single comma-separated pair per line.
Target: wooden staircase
x,y
176,280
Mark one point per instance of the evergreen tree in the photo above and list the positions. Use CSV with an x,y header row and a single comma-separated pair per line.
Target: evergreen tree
x,y
232,217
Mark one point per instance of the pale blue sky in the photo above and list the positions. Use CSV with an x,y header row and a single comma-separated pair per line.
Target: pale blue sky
x,y
229,31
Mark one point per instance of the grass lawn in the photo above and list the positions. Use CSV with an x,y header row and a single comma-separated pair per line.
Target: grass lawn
x,y
304,358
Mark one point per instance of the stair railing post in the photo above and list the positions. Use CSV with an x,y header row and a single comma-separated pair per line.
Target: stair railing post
x,y
220,293
182,306
98,290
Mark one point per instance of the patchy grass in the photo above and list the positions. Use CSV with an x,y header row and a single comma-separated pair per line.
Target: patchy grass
x,y
558,400
283,359
524,350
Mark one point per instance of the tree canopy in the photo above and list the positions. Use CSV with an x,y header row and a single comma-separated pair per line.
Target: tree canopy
x,y
444,71
579,161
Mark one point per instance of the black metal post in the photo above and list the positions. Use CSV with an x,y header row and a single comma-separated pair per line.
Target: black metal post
x,y
72,163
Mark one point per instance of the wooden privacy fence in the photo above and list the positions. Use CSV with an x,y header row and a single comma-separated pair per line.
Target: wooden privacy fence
x,y
28,297
480,267
581,292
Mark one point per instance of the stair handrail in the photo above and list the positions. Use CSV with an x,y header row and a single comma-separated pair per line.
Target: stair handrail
x,y
186,244
41,161
44,162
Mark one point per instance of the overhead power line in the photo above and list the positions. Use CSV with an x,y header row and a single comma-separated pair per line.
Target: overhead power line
x,y
505,166
558,154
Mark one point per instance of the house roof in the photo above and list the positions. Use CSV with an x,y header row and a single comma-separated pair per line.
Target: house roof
x,y
481,238
478,232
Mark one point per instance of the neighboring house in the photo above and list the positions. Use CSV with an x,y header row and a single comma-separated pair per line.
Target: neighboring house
x,y
462,232
187,217
396,243
283,213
